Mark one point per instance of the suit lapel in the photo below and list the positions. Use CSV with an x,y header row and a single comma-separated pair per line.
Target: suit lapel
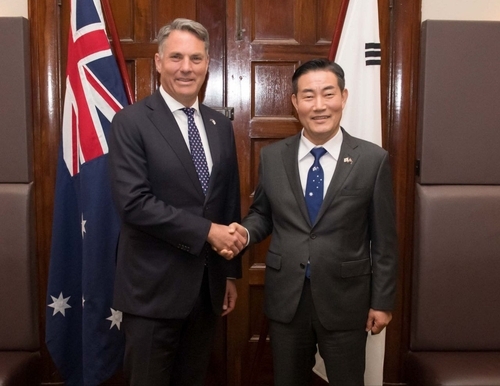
x,y
347,159
213,142
164,121
290,162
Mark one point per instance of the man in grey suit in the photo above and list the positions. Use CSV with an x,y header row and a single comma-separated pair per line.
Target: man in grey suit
x,y
175,182
327,199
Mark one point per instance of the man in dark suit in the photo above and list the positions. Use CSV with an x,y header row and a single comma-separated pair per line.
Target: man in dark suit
x,y
175,183
331,264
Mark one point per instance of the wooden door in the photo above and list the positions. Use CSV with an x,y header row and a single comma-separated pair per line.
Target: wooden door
x,y
255,47
267,41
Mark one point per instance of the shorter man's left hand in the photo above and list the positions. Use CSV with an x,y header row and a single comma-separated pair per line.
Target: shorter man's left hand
x,y
230,297
377,320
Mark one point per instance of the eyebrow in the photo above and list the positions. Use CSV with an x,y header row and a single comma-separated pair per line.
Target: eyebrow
x,y
331,87
190,55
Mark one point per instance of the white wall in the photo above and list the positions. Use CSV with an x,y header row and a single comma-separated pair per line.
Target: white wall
x,y
14,8
461,10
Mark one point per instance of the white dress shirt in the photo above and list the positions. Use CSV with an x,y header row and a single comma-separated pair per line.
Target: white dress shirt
x,y
306,159
181,118
328,161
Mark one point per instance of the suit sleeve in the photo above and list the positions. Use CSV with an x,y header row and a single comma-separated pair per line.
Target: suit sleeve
x,y
133,193
384,246
233,206
259,222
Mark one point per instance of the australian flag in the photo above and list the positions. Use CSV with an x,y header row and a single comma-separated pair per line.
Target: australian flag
x,y
82,330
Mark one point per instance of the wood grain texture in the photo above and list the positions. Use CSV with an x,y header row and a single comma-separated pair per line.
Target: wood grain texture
x,y
239,73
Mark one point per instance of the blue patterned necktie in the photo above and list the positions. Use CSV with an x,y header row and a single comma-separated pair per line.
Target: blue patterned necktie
x,y
314,190
315,182
197,152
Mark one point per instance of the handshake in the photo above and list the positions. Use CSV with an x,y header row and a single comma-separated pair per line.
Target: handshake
x,y
227,240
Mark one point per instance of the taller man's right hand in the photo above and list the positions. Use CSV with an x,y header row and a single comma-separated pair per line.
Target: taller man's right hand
x,y
235,228
225,240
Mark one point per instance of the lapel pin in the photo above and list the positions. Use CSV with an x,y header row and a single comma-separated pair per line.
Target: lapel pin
x,y
213,121
348,160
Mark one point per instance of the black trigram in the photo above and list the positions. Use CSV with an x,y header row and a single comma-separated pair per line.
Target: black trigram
x,y
372,54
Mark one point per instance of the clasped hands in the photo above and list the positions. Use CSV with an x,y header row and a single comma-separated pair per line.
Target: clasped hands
x,y
227,240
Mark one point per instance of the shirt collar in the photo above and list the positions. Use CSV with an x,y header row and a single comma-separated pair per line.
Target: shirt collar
x,y
332,146
173,104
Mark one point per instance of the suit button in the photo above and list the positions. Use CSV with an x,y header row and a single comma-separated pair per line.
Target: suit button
x,y
313,236
302,265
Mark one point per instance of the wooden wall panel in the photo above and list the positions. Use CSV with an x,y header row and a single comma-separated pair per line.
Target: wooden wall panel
x,y
231,82
144,77
326,11
44,35
123,12
174,9
401,37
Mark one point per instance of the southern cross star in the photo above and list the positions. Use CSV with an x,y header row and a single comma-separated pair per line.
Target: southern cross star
x,y
115,318
60,304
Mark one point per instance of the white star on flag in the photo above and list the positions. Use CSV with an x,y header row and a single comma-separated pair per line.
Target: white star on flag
x,y
60,304
83,226
115,318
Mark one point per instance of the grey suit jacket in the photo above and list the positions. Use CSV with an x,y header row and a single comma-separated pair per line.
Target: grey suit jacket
x,y
352,246
165,215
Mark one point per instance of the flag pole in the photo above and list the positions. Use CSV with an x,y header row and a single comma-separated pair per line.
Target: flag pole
x,y
338,30
115,42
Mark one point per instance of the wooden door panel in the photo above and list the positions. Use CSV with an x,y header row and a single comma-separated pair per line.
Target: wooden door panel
x,y
272,89
293,22
174,9
138,23
272,40
271,20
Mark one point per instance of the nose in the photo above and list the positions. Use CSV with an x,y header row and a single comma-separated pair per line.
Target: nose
x,y
186,64
319,103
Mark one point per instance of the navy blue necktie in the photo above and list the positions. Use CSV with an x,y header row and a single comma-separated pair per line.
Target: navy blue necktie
x,y
315,182
197,152
314,189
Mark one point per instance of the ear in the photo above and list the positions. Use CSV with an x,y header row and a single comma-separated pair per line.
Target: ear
x,y
345,95
294,101
157,62
208,62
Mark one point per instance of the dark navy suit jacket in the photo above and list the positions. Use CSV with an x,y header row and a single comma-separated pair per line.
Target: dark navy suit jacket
x,y
165,216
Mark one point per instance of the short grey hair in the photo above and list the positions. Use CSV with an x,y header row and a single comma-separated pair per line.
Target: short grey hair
x,y
181,24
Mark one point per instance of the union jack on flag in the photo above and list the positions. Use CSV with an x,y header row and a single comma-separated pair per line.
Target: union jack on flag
x,y
82,330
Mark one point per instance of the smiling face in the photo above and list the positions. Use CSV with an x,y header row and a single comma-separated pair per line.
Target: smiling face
x,y
182,65
319,103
